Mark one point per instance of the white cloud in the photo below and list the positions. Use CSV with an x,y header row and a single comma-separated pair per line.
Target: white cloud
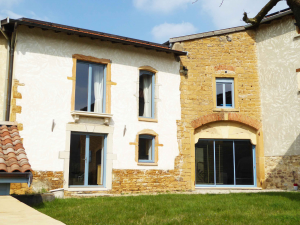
x,y
7,13
230,14
163,6
163,32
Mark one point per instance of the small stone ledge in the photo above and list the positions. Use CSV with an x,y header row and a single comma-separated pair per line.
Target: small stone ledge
x,y
77,114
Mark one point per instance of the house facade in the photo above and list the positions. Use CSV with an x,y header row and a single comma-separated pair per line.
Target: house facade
x,y
100,113
97,112
239,92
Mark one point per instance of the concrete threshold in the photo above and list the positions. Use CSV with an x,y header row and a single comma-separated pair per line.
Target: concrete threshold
x,y
91,195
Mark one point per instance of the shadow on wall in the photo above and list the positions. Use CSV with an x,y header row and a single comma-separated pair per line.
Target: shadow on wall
x,y
283,171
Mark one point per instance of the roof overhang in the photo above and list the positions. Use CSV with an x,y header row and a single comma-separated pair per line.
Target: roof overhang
x,y
89,33
16,177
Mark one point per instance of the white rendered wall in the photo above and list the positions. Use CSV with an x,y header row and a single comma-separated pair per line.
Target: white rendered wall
x,y
43,61
278,47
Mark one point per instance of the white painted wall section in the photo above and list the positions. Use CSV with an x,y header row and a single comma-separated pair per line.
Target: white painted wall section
x,y
43,61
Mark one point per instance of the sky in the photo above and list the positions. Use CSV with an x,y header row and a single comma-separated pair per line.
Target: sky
x,y
149,20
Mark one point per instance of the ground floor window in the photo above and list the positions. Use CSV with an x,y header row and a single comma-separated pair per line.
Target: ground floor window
x,y
225,162
146,148
87,159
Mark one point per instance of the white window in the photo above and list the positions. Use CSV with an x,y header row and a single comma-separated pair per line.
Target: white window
x,y
146,94
225,93
90,87
146,148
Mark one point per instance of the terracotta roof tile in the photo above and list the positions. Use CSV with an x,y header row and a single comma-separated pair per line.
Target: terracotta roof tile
x,y
13,157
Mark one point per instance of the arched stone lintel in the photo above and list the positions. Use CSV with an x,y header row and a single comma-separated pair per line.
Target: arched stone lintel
x,y
223,116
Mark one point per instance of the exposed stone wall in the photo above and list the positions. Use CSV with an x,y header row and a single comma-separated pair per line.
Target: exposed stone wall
x,y
207,59
134,181
279,171
47,180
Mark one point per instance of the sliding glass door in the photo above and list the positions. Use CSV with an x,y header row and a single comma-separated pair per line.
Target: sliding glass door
x,y
225,163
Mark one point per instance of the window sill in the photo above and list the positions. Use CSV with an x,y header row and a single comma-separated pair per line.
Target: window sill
x,y
148,120
147,164
226,110
77,114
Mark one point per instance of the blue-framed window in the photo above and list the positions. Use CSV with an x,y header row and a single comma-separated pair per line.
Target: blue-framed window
x,y
90,91
146,94
87,160
146,148
225,163
225,92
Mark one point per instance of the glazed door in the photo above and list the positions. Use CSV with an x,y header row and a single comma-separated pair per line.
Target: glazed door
x,y
87,160
227,163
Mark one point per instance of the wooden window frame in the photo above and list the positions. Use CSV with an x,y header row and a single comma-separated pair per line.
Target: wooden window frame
x,y
107,88
153,118
156,145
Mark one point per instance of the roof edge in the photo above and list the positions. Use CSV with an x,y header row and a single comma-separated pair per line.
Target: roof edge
x,y
92,34
267,19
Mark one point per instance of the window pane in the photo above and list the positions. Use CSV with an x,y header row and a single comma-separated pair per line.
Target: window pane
x,y
228,94
96,160
204,163
243,163
219,94
81,91
97,88
145,96
145,148
224,162
77,159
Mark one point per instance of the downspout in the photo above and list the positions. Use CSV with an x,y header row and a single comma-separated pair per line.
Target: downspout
x,y
11,61
6,76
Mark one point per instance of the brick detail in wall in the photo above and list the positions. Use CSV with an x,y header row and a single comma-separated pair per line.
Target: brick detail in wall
x,y
279,171
236,117
47,180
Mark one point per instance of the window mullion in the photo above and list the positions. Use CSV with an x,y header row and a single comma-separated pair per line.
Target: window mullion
x,y
234,175
104,91
153,97
232,94
224,99
215,176
87,159
89,88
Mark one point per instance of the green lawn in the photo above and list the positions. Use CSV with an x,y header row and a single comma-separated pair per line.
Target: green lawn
x,y
260,208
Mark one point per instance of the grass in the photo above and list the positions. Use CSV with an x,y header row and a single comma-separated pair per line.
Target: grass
x,y
254,208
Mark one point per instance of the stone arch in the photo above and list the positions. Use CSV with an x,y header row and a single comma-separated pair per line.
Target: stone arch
x,y
223,116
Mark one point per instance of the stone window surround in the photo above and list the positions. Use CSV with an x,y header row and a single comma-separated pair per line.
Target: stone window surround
x,y
156,99
235,84
88,128
156,144
107,116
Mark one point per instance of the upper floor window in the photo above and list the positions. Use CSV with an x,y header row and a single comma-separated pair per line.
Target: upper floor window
x,y
146,94
90,87
146,148
224,91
